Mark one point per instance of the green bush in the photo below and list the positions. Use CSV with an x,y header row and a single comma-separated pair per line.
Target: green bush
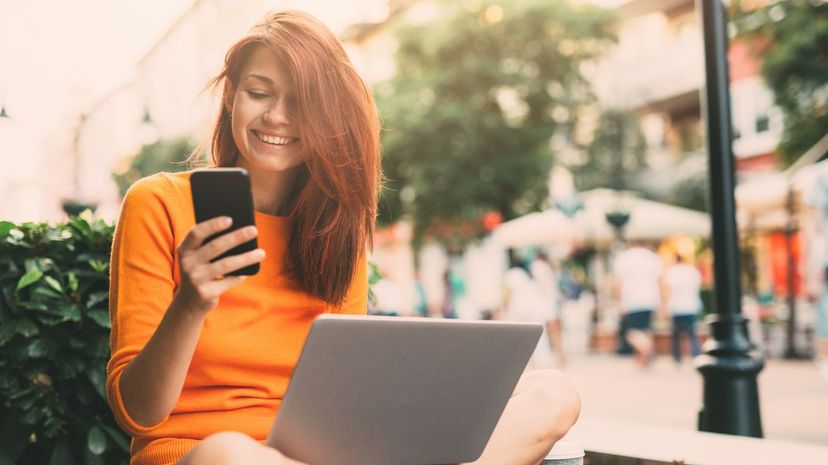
x,y
54,345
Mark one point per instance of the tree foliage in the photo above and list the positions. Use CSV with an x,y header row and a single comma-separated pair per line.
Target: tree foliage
x,y
163,155
477,95
791,39
615,154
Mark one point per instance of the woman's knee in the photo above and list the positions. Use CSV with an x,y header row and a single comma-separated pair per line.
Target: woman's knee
x,y
553,392
225,448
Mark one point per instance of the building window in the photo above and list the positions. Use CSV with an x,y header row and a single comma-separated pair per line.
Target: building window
x,y
762,123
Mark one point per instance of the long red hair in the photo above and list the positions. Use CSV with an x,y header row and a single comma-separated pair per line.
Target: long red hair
x,y
334,202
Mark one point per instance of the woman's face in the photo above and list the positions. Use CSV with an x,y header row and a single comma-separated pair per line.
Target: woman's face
x,y
265,115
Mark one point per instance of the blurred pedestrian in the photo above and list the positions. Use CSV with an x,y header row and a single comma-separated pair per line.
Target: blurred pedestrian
x,y
387,298
523,301
637,271
546,279
447,309
421,302
681,300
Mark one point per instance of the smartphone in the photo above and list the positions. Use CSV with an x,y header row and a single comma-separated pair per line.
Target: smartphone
x,y
225,192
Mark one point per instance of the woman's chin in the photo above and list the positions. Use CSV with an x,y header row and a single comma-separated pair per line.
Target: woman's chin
x,y
276,163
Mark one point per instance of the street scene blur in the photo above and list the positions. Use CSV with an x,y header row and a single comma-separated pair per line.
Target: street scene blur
x,y
543,160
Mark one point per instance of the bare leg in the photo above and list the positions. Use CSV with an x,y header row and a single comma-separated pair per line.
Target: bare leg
x,y
553,329
543,407
642,343
232,448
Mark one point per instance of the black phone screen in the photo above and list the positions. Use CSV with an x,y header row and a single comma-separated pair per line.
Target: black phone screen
x,y
225,192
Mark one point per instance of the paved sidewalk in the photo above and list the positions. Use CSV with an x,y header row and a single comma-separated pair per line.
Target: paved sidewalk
x,y
793,395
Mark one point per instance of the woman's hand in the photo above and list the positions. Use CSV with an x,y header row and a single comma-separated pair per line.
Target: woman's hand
x,y
203,281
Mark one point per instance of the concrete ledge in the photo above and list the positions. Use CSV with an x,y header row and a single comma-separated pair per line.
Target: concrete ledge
x,y
635,444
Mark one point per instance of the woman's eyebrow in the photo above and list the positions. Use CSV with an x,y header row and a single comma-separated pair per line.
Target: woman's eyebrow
x,y
266,79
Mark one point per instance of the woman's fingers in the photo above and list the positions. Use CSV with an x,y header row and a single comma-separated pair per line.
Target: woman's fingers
x,y
203,281
219,286
225,242
234,262
202,231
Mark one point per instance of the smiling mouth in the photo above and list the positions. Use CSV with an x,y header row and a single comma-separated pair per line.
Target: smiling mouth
x,y
275,140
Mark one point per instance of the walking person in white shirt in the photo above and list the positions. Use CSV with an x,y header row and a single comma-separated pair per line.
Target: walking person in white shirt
x,y
681,286
524,301
637,271
546,278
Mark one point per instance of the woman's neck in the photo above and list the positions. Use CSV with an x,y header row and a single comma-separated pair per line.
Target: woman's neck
x,y
271,189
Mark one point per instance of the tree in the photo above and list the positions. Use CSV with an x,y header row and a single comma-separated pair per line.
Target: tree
x,y
791,37
615,154
477,95
162,155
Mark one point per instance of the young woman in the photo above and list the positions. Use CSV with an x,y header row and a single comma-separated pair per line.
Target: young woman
x,y
200,360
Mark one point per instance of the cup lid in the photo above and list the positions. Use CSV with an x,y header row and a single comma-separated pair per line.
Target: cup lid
x,y
564,449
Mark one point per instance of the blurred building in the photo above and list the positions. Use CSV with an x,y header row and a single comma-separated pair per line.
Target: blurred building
x,y
657,72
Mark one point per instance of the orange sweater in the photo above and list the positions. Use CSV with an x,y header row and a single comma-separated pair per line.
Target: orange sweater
x,y
248,346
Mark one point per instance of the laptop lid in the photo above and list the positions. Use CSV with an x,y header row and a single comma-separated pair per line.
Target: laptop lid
x,y
394,390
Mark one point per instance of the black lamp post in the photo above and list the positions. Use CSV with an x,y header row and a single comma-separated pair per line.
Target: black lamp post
x,y
730,363
791,351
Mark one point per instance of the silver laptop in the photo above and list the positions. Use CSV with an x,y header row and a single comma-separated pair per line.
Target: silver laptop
x,y
400,391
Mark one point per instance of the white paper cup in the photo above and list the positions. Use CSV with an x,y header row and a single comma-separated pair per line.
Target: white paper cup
x,y
565,453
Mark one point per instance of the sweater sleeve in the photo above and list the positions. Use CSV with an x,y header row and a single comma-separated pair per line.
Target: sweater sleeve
x,y
141,284
356,300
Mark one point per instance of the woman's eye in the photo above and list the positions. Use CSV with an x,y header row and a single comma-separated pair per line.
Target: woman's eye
x,y
257,95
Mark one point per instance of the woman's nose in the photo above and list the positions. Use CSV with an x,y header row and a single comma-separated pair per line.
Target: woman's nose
x,y
278,113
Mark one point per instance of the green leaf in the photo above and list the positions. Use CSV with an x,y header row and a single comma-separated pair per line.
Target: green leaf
x,y
62,454
80,225
30,277
31,305
98,380
118,436
95,298
71,312
27,328
73,282
99,265
54,283
31,265
38,348
47,293
32,416
101,317
374,274
6,333
72,366
96,441
91,459
5,228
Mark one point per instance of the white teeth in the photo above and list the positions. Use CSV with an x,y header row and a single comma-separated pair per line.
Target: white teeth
x,y
274,140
